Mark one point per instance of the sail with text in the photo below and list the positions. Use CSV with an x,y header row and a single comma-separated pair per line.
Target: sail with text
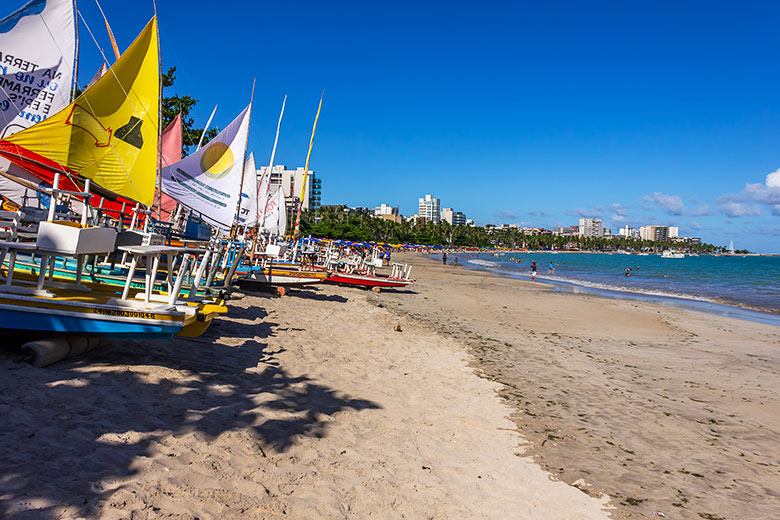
x,y
209,180
275,222
247,213
263,192
37,57
107,134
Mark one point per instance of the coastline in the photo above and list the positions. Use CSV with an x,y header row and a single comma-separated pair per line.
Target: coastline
x,y
663,409
498,398
711,305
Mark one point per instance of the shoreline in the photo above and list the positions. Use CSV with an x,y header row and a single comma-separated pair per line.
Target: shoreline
x,y
709,305
496,397
663,409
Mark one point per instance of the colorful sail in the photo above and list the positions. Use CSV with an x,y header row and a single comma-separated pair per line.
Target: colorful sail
x,y
247,213
170,152
109,132
209,180
37,56
99,74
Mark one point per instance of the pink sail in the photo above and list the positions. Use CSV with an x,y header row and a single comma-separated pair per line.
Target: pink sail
x,y
171,153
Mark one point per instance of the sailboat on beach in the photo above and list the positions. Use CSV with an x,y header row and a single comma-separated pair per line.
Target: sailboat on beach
x,y
107,137
107,134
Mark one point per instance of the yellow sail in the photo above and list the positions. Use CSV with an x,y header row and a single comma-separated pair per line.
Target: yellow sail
x,y
109,132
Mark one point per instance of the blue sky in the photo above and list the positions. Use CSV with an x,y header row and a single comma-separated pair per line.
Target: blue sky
x,y
512,112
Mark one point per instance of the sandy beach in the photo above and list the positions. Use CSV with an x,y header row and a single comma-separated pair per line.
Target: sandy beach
x,y
496,399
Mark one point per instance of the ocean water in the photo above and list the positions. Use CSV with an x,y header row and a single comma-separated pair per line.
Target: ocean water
x,y
751,282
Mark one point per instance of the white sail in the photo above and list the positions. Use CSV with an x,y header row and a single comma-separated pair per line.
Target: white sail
x,y
247,213
276,214
209,180
37,59
38,47
263,193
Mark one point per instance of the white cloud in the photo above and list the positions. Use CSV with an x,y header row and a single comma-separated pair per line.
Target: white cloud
x,y
750,200
773,179
506,214
739,209
672,204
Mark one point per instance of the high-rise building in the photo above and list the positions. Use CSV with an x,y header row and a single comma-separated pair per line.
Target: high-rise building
x,y
429,209
657,233
291,181
591,227
455,218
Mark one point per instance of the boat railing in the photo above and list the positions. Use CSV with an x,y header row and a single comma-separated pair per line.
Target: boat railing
x,y
401,271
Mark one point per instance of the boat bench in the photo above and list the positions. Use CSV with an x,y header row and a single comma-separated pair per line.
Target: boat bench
x,y
154,253
47,261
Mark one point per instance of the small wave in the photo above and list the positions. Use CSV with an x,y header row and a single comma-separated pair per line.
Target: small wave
x,y
634,290
484,263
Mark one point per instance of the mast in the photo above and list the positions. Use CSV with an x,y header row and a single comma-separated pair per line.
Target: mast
x,y
74,86
159,120
270,169
306,171
205,128
246,149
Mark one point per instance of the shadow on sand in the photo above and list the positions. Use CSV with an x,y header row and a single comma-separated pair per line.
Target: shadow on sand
x,y
94,409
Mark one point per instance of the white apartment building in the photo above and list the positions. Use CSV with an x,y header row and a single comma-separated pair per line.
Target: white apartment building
x,y
291,182
384,209
429,208
674,232
628,232
591,227
455,218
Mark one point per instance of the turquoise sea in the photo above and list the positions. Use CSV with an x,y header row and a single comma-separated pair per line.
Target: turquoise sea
x,y
707,282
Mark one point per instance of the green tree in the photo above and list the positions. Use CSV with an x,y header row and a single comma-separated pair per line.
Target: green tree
x,y
172,105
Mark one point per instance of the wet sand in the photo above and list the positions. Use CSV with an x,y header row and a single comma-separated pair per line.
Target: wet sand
x,y
665,410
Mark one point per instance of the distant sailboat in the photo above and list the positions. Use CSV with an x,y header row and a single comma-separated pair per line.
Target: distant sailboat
x,y
731,247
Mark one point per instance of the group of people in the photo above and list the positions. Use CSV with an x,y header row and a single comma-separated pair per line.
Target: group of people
x,y
444,259
517,260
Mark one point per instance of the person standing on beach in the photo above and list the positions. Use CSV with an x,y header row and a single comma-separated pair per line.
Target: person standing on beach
x,y
444,258
533,271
